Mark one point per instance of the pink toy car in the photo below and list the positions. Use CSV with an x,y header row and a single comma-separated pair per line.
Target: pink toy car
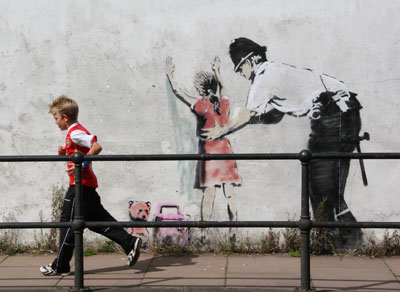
x,y
170,235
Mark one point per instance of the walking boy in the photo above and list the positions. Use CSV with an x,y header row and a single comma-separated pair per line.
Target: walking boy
x,y
65,112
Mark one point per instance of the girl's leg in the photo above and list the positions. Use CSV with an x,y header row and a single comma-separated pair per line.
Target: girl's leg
x,y
230,196
207,203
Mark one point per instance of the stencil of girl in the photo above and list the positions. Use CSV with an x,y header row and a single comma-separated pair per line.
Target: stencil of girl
x,y
211,110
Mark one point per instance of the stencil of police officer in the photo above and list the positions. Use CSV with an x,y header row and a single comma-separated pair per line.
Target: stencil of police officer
x,y
279,89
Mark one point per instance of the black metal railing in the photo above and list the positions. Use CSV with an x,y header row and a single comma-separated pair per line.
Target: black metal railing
x,y
305,224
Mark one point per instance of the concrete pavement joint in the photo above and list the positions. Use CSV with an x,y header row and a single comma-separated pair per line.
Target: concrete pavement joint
x,y
146,270
4,259
226,271
391,271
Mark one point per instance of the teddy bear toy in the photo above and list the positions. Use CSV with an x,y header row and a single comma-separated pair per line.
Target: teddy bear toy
x,y
139,211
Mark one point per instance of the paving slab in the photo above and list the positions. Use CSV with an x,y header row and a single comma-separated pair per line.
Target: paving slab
x,y
3,257
393,264
110,270
205,273
194,270
273,271
22,271
352,273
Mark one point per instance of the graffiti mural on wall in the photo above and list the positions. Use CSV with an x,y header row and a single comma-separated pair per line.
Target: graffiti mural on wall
x,y
139,211
277,90
211,110
170,212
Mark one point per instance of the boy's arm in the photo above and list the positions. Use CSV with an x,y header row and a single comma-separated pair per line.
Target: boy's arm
x,y
61,150
95,149
83,139
179,93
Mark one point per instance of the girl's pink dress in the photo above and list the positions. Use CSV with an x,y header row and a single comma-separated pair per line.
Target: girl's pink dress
x,y
214,172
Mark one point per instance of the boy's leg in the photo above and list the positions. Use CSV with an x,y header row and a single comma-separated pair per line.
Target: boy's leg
x,y
94,211
67,238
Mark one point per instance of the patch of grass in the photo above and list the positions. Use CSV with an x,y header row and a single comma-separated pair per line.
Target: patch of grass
x,y
100,245
294,253
391,243
284,241
48,241
108,246
291,237
173,249
89,252
321,242
245,246
270,243
10,245
389,246
57,201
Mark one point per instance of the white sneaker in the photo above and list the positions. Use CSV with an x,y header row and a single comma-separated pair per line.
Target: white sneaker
x,y
133,256
49,271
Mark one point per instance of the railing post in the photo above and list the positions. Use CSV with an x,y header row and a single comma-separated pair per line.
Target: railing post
x,y
78,223
305,222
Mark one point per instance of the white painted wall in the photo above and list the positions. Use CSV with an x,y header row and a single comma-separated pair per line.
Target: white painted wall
x,y
110,57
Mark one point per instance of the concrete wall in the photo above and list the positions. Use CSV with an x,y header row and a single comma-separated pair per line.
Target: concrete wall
x,y
110,57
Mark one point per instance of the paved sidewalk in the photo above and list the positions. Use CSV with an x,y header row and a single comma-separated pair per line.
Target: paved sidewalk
x,y
205,272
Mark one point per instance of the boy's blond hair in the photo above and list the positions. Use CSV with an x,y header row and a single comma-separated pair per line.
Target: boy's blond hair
x,y
63,105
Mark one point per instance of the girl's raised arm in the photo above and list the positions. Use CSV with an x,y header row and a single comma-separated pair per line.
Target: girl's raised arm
x,y
215,66
183,96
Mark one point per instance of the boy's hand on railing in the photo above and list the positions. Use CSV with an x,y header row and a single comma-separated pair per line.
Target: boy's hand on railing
x,y
71,171
62,151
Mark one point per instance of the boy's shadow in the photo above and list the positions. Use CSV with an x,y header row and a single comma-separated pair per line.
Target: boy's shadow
x,y
154,264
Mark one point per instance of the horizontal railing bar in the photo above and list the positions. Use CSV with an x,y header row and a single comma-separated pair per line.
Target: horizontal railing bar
x,y
242,156
332,224
304,224
203,224
34,158
344,155
150,224
169,157
200,224
31,225
172,157
154,157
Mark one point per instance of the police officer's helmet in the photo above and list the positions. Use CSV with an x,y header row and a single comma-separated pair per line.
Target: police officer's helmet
x,y
242,48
